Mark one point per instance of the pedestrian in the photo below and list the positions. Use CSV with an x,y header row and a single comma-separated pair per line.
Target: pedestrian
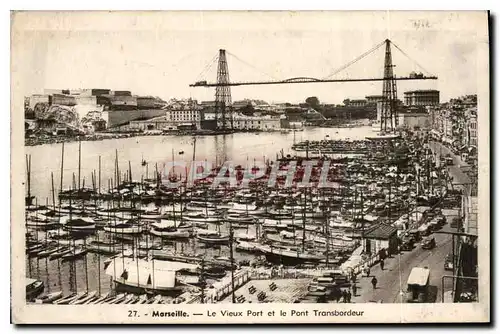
x,y
337,294
382,264
349,296
374,282
354,289
344,296
368,272
353,278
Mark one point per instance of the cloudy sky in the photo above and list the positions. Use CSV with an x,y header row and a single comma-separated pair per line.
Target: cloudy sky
x,y
160,54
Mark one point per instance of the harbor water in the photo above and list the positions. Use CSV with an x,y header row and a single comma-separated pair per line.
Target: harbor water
x,y
237,147
88,272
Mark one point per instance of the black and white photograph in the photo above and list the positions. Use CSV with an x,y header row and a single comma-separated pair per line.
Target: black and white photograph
x,y
177,162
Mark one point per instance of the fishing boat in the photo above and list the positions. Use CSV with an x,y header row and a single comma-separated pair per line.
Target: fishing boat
x,y
70,298
288,256
199,206
128,298
241,218
142,299
128,227
49,298
151,213
200,216
168,230
246,246
139,276
43,224
58,254
117,299
103,247
211,237
78,225
99,299
34,249
248,209
33,288
155,300
88,296
51,250
276,224
106,299
74,254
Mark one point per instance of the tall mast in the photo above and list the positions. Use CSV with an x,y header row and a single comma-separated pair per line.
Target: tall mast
x,y
28,172
99,175
53,194
233,295
129,172
304,221
62,167
79,161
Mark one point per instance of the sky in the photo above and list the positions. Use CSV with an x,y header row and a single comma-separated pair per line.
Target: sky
x,y
160,54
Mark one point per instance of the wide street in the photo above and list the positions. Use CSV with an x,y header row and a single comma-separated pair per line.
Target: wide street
x,y
459,177
392,280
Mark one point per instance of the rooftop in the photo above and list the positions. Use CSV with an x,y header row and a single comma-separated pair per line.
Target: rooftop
x,y
422,91
381,231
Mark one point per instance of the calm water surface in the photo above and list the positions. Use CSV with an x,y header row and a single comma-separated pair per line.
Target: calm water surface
x,y
89,271
159,150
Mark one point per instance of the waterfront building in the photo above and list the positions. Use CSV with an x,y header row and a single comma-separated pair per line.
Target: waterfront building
x,y
192,116
427,97
355,103
379,237
260,123
414,119
161,123
255,123
472,127
373,99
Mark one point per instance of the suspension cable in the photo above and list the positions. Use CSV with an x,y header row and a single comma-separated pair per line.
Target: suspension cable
x,y
250,65
355,60
404,53
207,67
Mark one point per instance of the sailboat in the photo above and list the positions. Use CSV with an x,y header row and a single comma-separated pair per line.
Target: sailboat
x,y
167,229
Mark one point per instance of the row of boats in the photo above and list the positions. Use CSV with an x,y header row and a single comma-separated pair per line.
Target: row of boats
x,y
93,298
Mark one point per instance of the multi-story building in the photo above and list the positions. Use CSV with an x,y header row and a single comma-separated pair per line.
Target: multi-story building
x,y
373,99
261,123
355,103
62,100
414,120
255,123
472,127
427,97
184,117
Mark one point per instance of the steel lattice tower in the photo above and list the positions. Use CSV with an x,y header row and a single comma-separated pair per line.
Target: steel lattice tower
x,y
223,109
389,116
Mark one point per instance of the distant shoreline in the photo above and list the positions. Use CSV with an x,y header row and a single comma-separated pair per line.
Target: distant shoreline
x,y
37,141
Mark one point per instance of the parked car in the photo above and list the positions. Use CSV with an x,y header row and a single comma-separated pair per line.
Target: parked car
x,y
407,243
441,219
448,262
456,222
428,243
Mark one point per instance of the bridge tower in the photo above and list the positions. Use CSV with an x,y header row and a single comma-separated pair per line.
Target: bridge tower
x,y
389,116
223,108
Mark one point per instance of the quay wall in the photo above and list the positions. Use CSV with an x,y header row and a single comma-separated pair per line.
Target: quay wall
x,y
121,117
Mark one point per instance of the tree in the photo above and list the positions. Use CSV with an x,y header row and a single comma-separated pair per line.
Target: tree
x,y
247,110
313,102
